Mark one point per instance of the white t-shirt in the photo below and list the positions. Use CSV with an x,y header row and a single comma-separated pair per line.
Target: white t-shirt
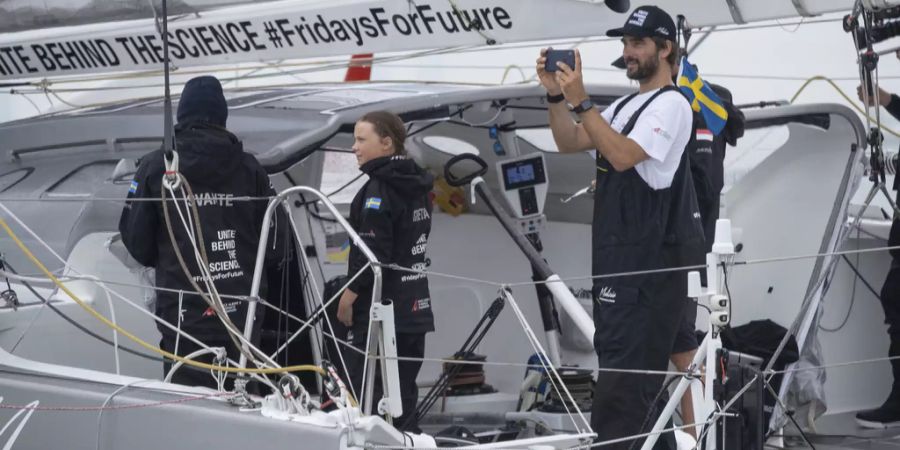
x,y
662,130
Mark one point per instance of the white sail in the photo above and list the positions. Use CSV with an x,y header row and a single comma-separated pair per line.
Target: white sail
x,y
292,29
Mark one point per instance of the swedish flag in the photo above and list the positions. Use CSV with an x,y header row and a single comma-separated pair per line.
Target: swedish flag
x,y
702,97
373,203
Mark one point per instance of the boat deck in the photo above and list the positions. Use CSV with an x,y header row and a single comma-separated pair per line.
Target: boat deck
x,y
840,431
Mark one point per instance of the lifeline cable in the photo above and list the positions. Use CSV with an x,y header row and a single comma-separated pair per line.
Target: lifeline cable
x,y
132,337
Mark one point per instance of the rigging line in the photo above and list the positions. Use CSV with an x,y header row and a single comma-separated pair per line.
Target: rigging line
x,y
140,309
451,50
612,69
796,27
26,97
251,68
56,96
34,319
67,278
532,283
24,248
78,325
107,402
237,336
263,87
311,285
139,341
814,255
845,96
321,311
112,316
353,348
325,66
443,275
209,297
122,199
536,366
861,278
545,362
852,292
644,435
860,362
316,69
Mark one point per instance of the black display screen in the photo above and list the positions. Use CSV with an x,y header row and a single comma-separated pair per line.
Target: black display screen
x,y
523,173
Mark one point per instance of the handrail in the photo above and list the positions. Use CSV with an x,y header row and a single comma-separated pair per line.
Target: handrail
x,y
16,154
263,243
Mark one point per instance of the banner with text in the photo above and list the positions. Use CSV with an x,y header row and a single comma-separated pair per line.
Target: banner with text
x,y
266,33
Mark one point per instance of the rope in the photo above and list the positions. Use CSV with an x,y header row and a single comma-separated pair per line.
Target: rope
x,y
132,337
846,97
636,272
120,199
195,236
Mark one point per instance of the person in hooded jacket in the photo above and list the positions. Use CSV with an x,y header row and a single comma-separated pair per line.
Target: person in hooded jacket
x,y
213,161
392,214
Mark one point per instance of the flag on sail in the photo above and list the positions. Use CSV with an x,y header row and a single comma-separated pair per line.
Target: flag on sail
x,y
703,99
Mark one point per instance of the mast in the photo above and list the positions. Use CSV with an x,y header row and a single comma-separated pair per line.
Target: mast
x,y
168,137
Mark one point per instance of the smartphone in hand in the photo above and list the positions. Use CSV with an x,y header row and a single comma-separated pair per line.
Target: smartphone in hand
x,y
565,56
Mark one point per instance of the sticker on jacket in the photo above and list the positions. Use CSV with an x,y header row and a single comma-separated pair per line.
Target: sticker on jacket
x,y
704,135
373,203
421,304
133,188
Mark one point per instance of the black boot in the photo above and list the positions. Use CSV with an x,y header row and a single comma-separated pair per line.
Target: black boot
x,y
888,414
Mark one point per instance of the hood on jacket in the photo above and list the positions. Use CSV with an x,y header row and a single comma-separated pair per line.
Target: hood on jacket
x,y
207,154
202,100
401,173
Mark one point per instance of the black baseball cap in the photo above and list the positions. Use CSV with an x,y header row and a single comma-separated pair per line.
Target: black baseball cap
x,y
647,21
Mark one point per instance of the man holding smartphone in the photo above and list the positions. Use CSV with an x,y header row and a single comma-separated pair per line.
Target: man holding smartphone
x,y
645,217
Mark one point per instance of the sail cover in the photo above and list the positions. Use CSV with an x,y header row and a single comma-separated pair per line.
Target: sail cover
x,y
234,31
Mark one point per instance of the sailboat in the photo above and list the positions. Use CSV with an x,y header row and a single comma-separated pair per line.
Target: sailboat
x,y
61,190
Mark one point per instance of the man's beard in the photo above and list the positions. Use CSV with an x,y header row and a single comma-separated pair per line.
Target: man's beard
x,y
643,70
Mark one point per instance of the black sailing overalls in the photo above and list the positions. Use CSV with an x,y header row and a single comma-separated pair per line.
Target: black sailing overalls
x,y
638,228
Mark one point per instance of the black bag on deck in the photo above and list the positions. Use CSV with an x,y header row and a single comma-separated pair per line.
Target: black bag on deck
x,y
759,338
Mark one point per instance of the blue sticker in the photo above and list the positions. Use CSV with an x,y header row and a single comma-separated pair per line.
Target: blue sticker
x,y
133,188
373,203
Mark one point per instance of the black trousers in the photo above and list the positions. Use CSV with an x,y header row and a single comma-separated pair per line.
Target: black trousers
x,y
410,345
635,329
890,301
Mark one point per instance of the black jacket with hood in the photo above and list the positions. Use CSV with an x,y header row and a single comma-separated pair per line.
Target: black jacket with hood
x,y
707,156
214,163
392,214
217,168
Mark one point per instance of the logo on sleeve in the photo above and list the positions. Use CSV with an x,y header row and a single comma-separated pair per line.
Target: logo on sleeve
x,y
373,203
663,133
133,188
